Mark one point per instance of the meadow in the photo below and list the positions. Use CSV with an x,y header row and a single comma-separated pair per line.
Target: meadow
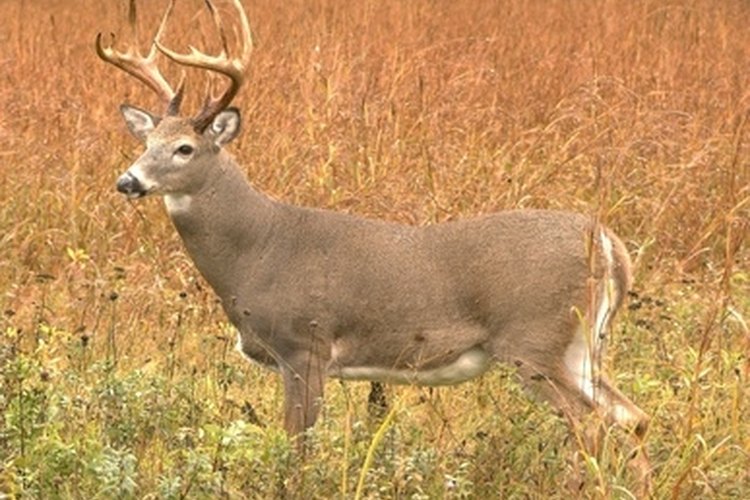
x,y
118,375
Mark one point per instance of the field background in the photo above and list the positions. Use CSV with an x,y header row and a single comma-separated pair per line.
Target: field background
x,y
118,377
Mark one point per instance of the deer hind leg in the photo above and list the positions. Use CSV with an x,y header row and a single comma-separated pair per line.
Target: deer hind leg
x,y
574,385
620,410
582,374
572,398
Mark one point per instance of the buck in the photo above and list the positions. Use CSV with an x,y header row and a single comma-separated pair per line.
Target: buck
x,y
316,294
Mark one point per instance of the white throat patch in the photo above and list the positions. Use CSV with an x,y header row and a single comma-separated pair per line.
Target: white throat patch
x,y
177,203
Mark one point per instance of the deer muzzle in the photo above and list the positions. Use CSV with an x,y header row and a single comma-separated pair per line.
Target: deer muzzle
x,y
129,185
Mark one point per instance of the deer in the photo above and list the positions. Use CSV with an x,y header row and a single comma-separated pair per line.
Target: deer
x,y
317,294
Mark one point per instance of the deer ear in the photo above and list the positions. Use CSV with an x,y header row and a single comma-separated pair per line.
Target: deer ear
x,y
139,122
225,127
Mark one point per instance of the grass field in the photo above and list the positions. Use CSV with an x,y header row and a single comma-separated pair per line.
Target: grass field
x,y
118,377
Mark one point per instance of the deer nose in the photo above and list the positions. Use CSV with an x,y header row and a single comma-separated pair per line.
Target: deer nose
x,y
130,185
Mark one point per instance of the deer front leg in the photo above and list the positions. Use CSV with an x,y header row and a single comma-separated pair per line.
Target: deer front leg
x,y
304,379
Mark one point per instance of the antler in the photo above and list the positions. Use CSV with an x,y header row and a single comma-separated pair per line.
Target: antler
x,y
144,68
233,68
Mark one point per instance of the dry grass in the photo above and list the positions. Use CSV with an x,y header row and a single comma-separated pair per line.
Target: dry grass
x,y
410,111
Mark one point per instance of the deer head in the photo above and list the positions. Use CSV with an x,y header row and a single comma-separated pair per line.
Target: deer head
x,y
177,148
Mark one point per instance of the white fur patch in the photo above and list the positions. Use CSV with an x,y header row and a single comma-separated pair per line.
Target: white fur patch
x,y
583,353
470,364
606,292
579,364
238,347
177,203
624,417
148,183
603,314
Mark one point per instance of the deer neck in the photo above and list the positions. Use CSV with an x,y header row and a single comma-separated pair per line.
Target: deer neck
x,y
225,221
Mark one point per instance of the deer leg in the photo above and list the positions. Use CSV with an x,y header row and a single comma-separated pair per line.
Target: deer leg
x,y
304,379
620,410
377,404
565,398
571,397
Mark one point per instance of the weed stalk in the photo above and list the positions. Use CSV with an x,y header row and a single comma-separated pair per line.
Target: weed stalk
x,y
111,333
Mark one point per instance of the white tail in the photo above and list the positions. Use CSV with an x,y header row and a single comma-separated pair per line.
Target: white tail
x,y
316,293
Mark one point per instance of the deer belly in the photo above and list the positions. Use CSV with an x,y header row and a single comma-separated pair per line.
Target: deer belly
x,y
469,364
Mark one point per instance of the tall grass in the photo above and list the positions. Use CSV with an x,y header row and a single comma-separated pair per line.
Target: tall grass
x,y
117,374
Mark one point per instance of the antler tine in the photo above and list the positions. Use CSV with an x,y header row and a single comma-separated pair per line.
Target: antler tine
x,y
217,21
143,68
132,22
233,68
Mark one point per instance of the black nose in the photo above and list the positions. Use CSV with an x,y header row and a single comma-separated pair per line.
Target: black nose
x,y
130,185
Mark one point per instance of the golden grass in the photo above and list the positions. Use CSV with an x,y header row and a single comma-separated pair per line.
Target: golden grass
x,y
412,111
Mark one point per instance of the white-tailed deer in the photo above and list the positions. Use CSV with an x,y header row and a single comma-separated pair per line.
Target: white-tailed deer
x,y
318,294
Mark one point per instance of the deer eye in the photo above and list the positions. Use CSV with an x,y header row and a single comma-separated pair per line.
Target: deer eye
x,y
185,150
